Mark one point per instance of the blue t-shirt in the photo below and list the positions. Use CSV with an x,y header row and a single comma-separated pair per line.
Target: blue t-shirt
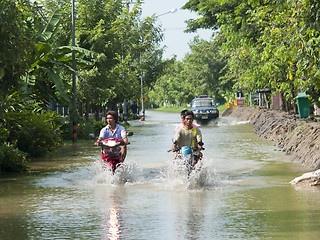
x,y
119,132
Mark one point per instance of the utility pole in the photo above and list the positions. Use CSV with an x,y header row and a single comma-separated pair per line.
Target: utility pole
x,y
125,108
141,72
142,96
74,87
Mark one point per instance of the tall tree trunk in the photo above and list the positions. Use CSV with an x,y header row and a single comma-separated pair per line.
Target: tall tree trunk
x,y
81,109
96,113
87,109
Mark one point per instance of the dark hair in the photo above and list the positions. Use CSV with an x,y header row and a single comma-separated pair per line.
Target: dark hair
x,y
114,114
188,113
183,113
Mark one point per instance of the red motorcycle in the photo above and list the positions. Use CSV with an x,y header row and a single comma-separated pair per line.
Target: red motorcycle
x,y
111,152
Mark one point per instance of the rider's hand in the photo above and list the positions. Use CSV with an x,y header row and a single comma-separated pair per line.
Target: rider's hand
x,y
172,149
200,147
96,144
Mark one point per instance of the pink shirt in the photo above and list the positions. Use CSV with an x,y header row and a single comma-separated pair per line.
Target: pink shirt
x,y
181,125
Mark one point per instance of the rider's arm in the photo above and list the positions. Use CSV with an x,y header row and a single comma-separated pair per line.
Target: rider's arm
x,y
125,139
199,139
124,147
176,139
200,145
173,148
123,134
123,152
97,142
101,136
174,145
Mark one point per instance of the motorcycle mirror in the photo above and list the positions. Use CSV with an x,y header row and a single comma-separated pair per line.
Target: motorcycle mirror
x,y
130,134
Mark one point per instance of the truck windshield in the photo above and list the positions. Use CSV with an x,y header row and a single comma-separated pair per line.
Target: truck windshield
x,y
202,103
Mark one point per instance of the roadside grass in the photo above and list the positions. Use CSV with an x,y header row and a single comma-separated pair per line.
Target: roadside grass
x,y
171,109
222,108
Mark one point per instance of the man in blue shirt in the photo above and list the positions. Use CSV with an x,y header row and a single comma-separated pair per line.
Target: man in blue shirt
x,y
114,130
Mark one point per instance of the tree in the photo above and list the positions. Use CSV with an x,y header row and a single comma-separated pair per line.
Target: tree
x,y
119,38
203,68
17,40
199,73
268,43
170,87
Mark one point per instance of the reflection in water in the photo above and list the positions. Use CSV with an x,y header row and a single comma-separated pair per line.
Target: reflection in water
x,y
194,217
114,223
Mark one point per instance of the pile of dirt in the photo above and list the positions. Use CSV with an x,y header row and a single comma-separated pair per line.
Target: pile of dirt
x,y
299,138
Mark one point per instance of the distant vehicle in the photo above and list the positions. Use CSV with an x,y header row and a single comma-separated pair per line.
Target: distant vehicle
x,y
204,108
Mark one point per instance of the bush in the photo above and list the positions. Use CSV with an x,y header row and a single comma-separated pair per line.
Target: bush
x,y
84,128
12,160
33,133
66,131
4,133
97,125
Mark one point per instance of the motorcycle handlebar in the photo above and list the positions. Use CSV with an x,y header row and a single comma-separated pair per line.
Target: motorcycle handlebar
x,y
177,148
99,144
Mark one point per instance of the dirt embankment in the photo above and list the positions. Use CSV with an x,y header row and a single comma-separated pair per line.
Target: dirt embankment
x,y
300,139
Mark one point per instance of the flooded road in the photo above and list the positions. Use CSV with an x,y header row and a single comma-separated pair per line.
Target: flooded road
x,y
241,191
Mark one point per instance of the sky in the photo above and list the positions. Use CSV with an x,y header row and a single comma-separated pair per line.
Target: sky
x,y
173,25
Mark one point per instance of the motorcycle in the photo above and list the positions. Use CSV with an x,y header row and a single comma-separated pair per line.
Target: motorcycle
x,y
186,158
111,152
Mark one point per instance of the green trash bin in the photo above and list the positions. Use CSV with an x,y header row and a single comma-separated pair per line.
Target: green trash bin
x,y
303,105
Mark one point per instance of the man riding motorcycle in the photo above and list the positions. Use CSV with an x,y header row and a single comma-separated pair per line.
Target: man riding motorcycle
x,y
187,135
114,130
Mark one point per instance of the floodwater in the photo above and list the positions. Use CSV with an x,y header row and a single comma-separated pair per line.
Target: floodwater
x,y
241,191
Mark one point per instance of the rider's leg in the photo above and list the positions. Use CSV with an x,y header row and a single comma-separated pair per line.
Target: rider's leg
x,y
195,160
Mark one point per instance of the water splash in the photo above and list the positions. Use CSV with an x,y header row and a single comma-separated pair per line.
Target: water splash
x,y
174,177
126,173
230,122
204,176
200,177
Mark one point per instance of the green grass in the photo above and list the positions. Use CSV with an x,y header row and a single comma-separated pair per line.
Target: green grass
x,y
172,109
221,109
